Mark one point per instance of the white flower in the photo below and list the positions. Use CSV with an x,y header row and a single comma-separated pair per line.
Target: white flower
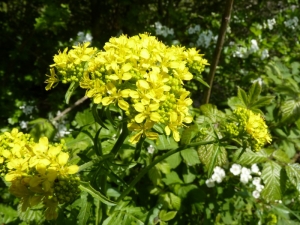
x,y
271,23
218,175
204,39
255,194
236,169
210,183
292,23
23,125
151,149
264,54
260,187
241,52
254,169
245,175
254,46
256,181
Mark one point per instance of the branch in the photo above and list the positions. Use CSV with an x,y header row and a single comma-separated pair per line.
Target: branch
x,y
218,49
78,102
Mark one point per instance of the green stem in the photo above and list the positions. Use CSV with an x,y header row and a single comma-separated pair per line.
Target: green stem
x,y
159,159
121,139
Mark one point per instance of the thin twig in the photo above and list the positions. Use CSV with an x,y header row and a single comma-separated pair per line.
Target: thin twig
x,y
218,49
78,102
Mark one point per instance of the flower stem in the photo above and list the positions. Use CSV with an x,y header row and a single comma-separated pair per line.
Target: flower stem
x,y
159,159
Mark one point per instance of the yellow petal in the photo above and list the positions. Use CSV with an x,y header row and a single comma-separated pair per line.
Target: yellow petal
x,y
63,158
73,169
126,67
107,100
126,76
125,93
139,118
139,107
145,54
135,138
155,116
167,130
176,135
142,84
151,135
123,104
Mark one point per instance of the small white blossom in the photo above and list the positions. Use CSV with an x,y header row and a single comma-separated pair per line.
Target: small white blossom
x,y
255,194
23,125
236,169
210,183
264,54
254,46
218,174
271,23
204,39
150,149
163,30
241,52
292,23
256,181
254,169
193,30
260,187
245,175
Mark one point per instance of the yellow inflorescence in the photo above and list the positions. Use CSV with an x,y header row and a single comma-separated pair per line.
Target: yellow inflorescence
x,y
139,74
38,172
253,125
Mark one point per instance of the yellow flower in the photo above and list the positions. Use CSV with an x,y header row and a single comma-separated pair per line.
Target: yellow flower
x,y
143,130
52,80
116,95
146,112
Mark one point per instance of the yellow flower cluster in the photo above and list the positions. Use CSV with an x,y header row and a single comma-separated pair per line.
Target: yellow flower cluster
x,y
252,124
140,75
36,171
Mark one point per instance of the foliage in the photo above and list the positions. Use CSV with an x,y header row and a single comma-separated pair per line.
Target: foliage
x,y
237,162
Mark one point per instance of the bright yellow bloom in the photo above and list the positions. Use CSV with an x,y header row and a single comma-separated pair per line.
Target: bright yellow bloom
x,y
139,74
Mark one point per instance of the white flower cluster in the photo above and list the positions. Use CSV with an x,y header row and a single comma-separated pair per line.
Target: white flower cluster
x,y
264,54
82,37
245,177
27,109
271,23
195,29
218,176
292,23
163,30
205,39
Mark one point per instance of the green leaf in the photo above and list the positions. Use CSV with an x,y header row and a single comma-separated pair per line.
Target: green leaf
x,y
249,157
190,156
174,160
254,92
211,156
166,143
262,101
235,102
271,178
97,117
290,110
243,96
166,216
84,118
85,186
188,134
293,173
172,178
85,210
42,128
171,201
201,81
7,214
70,91
211,112
281,156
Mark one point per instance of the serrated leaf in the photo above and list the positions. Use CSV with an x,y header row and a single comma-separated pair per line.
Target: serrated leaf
x,y
293,173
188,134
70,91
7,214
85,186
242,95
271,178
290,110
166,216
85,211
281,156
190,156
249,157
235,102
211,112
262,101
211,156
254,92
84,118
